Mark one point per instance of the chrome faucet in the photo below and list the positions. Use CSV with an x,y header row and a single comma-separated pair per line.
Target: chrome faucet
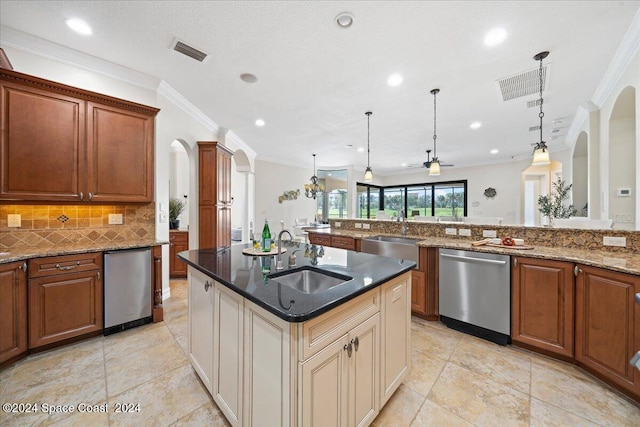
x,y
279,261
405,226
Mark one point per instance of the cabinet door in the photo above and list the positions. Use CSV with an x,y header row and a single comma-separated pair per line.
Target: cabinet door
x,y
41,145
364,372
396,335
201,326
223,227
228,315
223,171
178,242
418,292
607,322
119,155
324,386
64,306
542,305
13,306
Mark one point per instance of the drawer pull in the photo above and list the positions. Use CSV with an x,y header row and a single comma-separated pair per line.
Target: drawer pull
x,y
70,267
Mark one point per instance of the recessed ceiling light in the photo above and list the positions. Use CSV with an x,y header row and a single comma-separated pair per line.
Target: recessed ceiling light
x,y
344,20
556,130
494,151
475,125
403,165
495,37
360,149
248,77
79,26
348,146
259,122
394,80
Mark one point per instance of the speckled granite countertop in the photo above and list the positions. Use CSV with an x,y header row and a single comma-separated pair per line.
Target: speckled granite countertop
x,y
243,274
19,254
625,262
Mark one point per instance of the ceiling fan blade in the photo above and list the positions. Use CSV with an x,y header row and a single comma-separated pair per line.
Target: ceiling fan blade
x,y
447,165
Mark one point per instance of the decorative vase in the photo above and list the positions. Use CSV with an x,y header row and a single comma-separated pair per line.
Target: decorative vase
x,y
174,225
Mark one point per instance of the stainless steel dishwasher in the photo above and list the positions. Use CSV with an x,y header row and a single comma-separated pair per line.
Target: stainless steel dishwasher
x,y
127,289
475,293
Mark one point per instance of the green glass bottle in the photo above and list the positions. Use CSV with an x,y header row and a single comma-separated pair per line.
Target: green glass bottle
x,y
266,237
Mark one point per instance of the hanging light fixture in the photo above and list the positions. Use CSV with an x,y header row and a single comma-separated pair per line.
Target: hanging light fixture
x,y
434,170
541,151
310,190
368,173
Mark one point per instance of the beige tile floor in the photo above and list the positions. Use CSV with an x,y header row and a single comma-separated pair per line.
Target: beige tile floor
x,y
456,380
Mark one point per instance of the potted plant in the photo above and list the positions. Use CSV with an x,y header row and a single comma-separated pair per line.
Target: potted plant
x,y
552,206
176,207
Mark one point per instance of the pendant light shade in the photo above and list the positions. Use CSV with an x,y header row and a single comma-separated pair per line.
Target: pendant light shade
x,y
541,151
368,173
434,170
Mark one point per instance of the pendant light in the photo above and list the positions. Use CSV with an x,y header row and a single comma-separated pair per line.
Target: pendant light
x,y
541,151
434,170
368,173
310,190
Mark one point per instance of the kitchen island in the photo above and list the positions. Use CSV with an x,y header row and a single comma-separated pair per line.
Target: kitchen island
x,y
271,352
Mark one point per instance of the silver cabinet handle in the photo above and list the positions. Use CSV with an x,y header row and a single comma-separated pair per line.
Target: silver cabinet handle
x,y
515,262
70,267
81,196
98,275
576,271
349,348
468,258
90,195
207,285
356,343
23,267
637,295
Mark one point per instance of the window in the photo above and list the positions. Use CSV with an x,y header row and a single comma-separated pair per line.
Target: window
x,y
443,199
332,202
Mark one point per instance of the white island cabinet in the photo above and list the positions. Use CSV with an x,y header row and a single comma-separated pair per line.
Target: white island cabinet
x,y
336,369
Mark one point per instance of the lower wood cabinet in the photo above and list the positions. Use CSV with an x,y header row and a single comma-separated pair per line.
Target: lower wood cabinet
x,y
336,369
320,239
178,242
13,309
424,285
65,297
343,242
608,325
542,305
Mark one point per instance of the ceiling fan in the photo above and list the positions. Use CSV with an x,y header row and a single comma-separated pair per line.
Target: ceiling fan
x,y
427,164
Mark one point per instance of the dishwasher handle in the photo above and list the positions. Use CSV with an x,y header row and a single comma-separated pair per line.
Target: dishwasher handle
x,y
468,258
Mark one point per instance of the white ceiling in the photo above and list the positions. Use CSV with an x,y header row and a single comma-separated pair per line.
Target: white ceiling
x,y
316,81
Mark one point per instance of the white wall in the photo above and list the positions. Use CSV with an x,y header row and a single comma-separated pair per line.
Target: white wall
x,y
271,181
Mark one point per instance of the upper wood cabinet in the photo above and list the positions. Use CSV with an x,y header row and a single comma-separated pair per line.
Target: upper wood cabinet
x,y
214,190
542,305
61,143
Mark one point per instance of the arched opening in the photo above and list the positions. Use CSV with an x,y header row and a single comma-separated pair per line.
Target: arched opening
x,y
537,181
622,160
241,187
179,178
580,178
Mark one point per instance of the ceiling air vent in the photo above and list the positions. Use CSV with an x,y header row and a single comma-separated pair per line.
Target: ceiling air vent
x,y
190,51
522,84
531,104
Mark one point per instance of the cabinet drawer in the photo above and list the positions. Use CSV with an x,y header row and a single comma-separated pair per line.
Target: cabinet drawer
x,y
323,330
179,237
343,242
320,239
50,266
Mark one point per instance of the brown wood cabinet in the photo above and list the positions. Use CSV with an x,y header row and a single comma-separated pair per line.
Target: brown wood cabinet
x,y
13,309
424,285
61,143
215,201
320,239
542,305
178,242
608,326
65,297
343,242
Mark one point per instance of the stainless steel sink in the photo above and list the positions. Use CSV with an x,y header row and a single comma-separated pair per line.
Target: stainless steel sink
x,y
394,247
309,280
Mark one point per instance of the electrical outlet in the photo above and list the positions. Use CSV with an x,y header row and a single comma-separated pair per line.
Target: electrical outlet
x,y
366,226
489,233
14,220
337,224
115,219
465,232
614,241
358,225
451,231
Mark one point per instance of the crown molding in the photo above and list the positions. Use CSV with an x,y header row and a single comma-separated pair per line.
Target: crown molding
x,y
183,103
236,140
35,45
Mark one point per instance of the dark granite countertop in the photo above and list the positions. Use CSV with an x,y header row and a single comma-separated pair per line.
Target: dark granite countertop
x,y
243,274
23,253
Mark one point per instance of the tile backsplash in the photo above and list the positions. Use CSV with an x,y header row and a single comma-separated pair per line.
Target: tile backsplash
x,y
51,225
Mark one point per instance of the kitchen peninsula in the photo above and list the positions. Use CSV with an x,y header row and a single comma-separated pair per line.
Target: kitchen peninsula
x,y
273,352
